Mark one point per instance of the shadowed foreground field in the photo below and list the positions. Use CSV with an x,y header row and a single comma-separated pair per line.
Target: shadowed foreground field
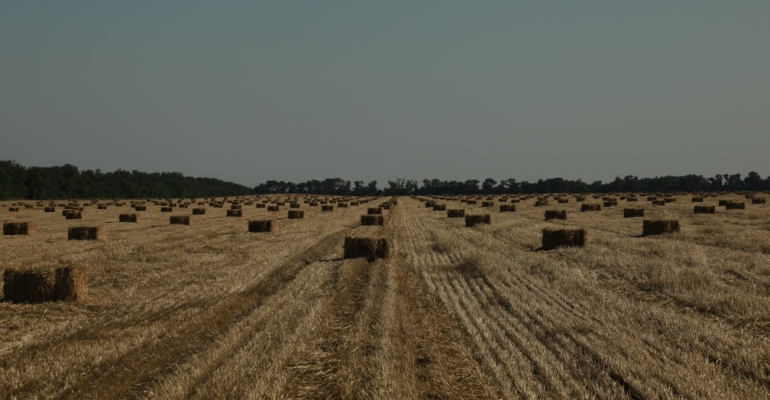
x,y
213,311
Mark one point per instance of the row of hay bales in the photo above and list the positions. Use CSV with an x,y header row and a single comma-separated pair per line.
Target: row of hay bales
x,y
98,233
73,233
554,238
185,203
609,199
608,202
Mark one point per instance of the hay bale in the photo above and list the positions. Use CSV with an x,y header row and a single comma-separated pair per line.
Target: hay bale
x,y
439,207
758,200
86,233
704,210
697,199
235,207
455,213
735,206
590,207
658,227
472,220
101,207
140,208
580,198
294,205
507,208
555,238
68,283
50,209
670,199
633,212
13,209
342,205
632,199
260,205
128,218
273,208
199,211
555,214
327,208
68,214
487,203
166,209
430,204
235,213
610,203
296,214
268,225
368,248
541,203
374,211
658,202
372,220
19,228
180,220
563,201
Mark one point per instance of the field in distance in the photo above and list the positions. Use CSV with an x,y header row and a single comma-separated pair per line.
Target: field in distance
x,y
210,310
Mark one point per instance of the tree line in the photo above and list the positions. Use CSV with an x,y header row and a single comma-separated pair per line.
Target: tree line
x,y
68,182
688,183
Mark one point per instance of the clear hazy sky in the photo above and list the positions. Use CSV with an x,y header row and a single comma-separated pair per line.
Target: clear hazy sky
x,y
289,90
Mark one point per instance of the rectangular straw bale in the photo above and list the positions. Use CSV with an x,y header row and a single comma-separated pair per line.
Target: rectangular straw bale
x,y
658,227
180,220
68,214
473,220
633,212
555,238
263,226
455,213
369,248
128,218
555,214
372,220
296,214
86,233
66,283
19,228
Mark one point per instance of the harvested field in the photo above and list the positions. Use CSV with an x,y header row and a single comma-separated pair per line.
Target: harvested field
x,y
214,311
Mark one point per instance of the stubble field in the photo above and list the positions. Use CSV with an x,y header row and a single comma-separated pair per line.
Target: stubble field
x,y
213,311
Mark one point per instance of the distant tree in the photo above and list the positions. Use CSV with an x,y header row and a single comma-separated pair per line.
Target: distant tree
x,y
489,185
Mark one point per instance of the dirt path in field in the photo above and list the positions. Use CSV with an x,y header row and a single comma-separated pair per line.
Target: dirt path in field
x,y
387,336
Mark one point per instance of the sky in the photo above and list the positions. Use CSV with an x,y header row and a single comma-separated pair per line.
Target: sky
x,y
248,91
